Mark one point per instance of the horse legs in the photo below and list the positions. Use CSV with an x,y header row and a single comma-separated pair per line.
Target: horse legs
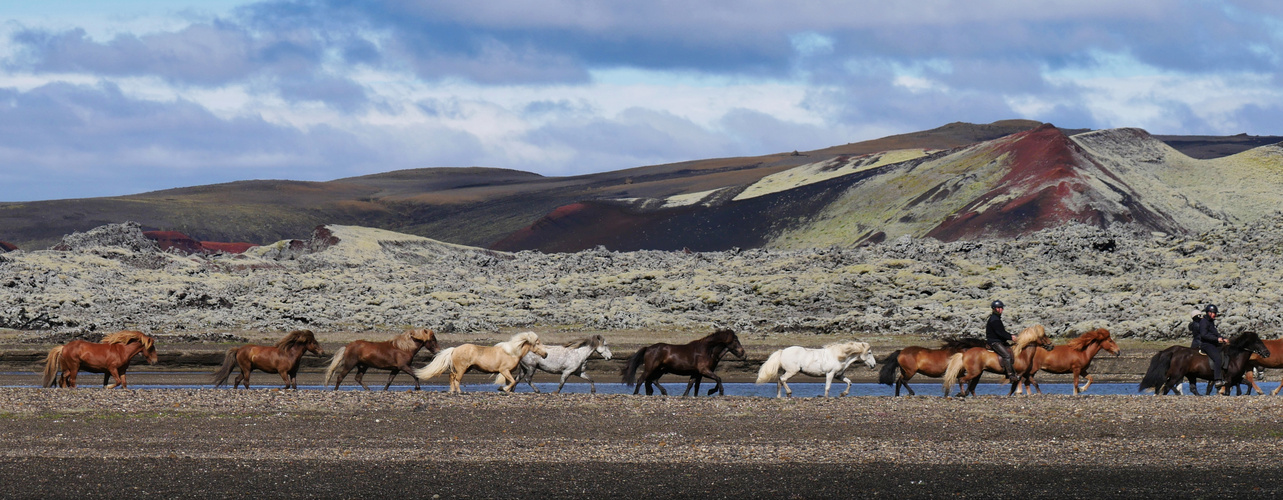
x,y
694,381
392,375
564,375
709,373
409,371
828,381
512,382
527,375
592,386
1276,391
784,381
848,386
360,374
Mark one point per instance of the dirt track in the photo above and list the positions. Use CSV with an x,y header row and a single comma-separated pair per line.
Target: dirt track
x,y
219,443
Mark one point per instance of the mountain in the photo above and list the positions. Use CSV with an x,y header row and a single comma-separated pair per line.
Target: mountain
x,y
957,181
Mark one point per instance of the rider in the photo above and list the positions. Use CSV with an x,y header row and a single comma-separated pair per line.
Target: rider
x,y
1210,342
997,337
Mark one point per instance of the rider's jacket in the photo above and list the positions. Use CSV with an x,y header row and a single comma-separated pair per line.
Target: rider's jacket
x,y
995,331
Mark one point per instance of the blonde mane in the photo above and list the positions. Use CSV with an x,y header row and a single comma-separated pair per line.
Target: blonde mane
x,y
848,348
1028,336
405,340
127,336
513,345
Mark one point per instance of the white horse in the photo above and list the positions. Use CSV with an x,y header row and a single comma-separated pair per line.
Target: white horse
x,y
567,360
827,361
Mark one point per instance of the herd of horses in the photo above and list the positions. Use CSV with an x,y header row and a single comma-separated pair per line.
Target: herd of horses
x,y
958,362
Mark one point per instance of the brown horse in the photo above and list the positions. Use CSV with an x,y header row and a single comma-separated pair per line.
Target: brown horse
x,y
930,362
1275,360
110,357
697,359
500,358
1169,366
283,358
1073,357
394,354
977,360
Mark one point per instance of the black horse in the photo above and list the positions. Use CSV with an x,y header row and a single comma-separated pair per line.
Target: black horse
x,y
1169,366
697,359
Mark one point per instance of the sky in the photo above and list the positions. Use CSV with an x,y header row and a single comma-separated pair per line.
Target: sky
x,y
129,96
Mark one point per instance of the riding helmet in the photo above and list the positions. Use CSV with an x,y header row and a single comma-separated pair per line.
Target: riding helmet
x,y
1211,308
997,304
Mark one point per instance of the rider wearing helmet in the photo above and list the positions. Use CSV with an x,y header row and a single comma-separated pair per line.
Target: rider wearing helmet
x,y
1210,342
997,337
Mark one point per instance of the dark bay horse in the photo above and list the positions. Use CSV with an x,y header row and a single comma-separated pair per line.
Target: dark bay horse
x,y
902,365
394,354
696,359
977,360
282,358
1169,366
110,357
1073,357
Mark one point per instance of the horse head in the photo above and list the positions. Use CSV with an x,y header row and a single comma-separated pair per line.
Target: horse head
x,y
146,344
868,359
1036,335
303,338
1250,341
531,339
1108,343
731,341
600,347
427,337
149,349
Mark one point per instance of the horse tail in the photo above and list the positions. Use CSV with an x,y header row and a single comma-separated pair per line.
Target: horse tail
x,y
890,369
630,370
440,364
770,370
334,364
1156,375
224,371
51,367
951,372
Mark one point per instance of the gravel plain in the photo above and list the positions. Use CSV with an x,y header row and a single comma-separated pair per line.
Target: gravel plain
x,y
274,443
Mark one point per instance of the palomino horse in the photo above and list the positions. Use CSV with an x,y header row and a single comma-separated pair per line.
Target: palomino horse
x,y
1073,357
394,354
977,360
827,361
696,359
283,358
567,360
902,365
1275,360
500,358
110,357
1169,366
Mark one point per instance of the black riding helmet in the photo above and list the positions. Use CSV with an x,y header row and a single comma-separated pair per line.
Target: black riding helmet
x,y
1211,308
997,304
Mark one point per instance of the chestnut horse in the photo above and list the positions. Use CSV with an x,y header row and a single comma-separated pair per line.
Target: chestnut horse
x,y
902,365
110,357
1275,360
394,354
1073,357
977,360
697,359
283,358
500,358
1169,366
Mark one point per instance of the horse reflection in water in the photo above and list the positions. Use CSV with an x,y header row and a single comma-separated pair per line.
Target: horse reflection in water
x,y
566,360
696,359
394,354
110,357
977,360
500,358
827,362
283,358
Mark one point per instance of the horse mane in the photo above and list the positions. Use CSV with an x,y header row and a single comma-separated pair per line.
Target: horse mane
x,y
1084,340
961,343
721,333
296,337
850,346
513,345
403,341
1026,337
127,336
1243,340
593,342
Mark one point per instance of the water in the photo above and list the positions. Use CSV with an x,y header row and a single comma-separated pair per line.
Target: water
x,y
675,386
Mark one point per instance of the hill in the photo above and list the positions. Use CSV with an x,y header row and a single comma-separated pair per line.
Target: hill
x,y
773,195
